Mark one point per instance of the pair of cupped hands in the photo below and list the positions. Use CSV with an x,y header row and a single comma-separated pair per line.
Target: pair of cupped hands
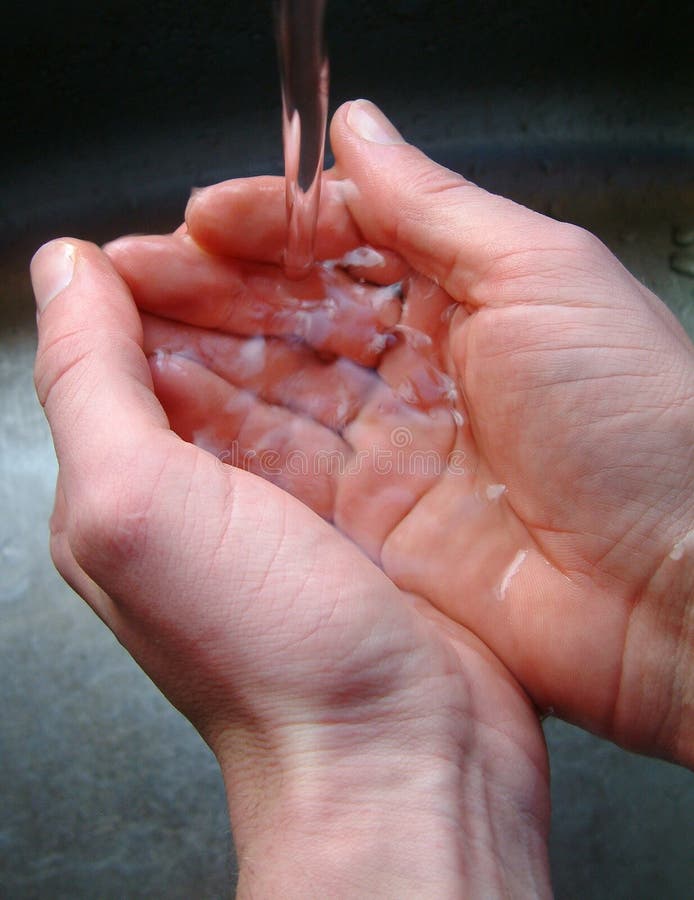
x,y
368,646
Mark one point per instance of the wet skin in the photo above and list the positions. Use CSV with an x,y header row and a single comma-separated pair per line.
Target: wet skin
x,y
543,392
494,514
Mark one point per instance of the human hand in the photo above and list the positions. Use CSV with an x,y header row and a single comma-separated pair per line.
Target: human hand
x,y
350,719
565,541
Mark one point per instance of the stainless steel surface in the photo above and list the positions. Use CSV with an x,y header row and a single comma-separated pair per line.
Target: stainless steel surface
x,y
106,791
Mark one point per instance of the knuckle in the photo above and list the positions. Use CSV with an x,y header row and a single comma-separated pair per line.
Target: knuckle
x,y
579,241
108,526
58,360
59,557
548,262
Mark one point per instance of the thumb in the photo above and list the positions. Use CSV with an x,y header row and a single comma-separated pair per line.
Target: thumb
x,y
443,225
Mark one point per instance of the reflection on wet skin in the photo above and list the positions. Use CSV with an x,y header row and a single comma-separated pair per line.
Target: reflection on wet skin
x,y
372,348
341,390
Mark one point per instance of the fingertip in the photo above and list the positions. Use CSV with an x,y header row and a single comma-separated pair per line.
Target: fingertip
x,y
51,269
113,248
88,285
55,266
244,217
362,121
45,248
122,240
339,129
196,194
339,118
367,122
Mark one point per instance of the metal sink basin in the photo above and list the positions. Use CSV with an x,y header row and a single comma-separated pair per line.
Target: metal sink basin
x,y
117,110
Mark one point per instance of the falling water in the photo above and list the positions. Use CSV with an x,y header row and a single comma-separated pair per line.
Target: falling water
x,y
335,378
304,75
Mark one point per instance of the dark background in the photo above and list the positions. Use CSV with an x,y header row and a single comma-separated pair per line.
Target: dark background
x,y
87,71
176,91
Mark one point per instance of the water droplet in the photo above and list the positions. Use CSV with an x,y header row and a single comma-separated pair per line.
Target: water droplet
x,y
448,313
413,336
160,357
365,257
252,355
677,551
494,491
509,574
406,391
378,343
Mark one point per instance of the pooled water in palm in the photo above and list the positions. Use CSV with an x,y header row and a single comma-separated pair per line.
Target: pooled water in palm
x,y
337,378
304,74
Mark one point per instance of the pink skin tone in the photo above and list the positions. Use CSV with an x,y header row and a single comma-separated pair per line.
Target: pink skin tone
x,y
575,385
366,657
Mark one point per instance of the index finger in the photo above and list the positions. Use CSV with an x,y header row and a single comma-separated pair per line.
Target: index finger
x,y
246,218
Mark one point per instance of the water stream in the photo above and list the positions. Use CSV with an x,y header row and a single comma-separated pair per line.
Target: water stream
x,y
304,78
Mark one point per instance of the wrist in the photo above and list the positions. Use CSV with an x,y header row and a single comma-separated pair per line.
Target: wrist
x,y
393,813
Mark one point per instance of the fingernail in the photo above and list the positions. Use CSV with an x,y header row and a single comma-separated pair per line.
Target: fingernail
x,y
51,271
369,123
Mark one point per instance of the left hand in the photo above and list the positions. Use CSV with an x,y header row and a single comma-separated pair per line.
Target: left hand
x,y
349,717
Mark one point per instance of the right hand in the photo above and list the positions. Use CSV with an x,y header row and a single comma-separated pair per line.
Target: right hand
x,y
577,386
